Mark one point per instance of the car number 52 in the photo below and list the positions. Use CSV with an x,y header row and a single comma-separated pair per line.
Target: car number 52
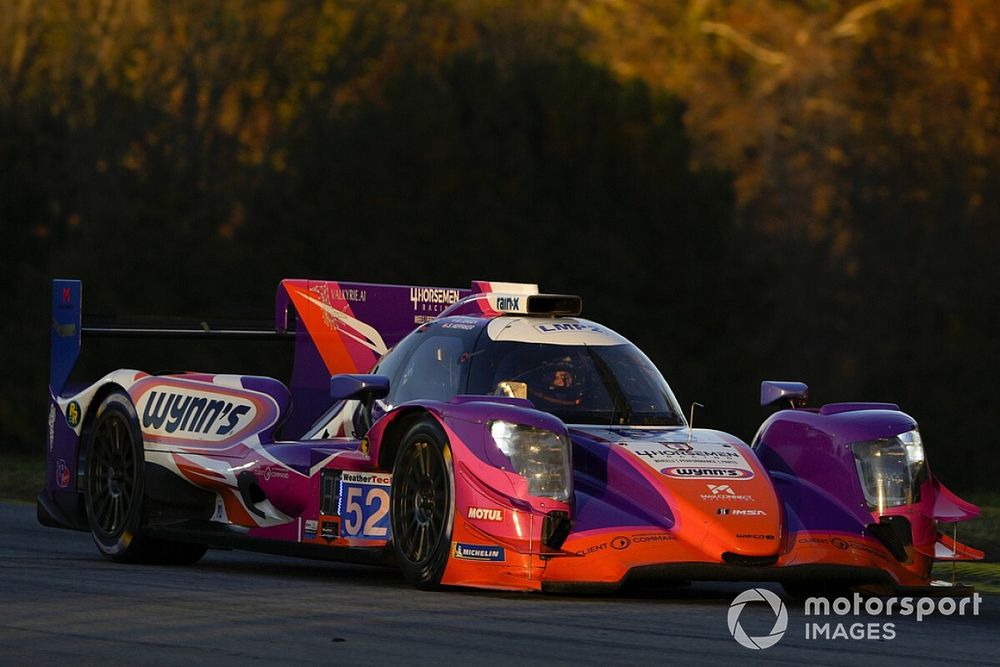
x,y
364,512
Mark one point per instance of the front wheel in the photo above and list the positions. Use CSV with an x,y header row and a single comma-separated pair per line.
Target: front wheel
x,y
423,504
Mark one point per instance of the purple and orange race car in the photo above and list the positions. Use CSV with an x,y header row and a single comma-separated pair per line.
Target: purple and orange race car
x,y
484,437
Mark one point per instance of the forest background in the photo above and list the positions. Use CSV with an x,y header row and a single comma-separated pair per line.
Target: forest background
x,y
801,190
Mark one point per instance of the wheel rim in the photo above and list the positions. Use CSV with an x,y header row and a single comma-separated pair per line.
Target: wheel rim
x,y
111,479
421,502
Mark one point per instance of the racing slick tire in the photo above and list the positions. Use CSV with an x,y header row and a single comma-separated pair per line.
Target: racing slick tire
x,y
114,491
423,504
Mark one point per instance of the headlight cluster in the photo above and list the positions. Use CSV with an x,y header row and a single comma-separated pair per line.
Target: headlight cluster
x,y
890,470
538,455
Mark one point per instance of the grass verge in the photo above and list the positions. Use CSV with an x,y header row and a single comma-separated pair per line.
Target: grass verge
x,y
983,532
984,576
21,476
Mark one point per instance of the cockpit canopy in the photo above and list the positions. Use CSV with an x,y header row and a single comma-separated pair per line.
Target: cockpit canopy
x,y
577,370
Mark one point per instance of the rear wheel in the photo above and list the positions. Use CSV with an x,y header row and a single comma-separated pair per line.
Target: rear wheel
x,y
423,499
114,491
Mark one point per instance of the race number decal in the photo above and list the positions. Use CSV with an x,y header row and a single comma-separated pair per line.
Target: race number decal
x,y
364,505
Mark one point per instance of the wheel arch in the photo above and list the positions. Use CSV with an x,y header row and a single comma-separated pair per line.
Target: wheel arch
x,y
89,416
392,437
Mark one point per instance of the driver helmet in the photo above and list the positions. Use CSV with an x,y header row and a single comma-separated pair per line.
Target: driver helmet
x,y
561,380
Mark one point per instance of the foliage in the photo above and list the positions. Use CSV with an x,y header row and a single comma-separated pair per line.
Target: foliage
x,y
798,190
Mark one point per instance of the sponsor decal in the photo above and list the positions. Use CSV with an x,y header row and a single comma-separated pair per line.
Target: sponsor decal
x,y
64,330
202,415
845,545
350,295
73,414
560,327
220,510
62,474
621,543
329,531
364,446
707,473
693,460
67,296
364,505
677,452
271,472
485,514
864,548
754,536
594,548
726,511
480,552
379,478
309,529
723,492
420,296
464,326
508,303
52,426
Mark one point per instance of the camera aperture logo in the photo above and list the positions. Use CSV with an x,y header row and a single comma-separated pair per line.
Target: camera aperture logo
x,y
780,621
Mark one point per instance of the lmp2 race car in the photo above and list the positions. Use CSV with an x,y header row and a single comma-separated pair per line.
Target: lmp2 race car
x,y
484,437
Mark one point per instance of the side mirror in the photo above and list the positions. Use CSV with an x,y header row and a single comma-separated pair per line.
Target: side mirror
x,y
796,393
348,386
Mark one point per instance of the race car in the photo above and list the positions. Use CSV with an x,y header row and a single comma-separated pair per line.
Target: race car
x,y
486,437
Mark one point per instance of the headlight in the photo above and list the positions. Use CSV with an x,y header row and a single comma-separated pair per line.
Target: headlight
x,y
538,455
890,470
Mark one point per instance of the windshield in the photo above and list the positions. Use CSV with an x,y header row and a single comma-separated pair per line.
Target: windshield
x,y
580,384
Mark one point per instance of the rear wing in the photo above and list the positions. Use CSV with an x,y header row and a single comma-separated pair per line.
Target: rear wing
x,y
69,328
337,327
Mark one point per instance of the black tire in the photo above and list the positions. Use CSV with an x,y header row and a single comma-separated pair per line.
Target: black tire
x,y
423,504
114,493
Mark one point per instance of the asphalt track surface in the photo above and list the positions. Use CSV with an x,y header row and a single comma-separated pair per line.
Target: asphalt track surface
x,y
60,602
